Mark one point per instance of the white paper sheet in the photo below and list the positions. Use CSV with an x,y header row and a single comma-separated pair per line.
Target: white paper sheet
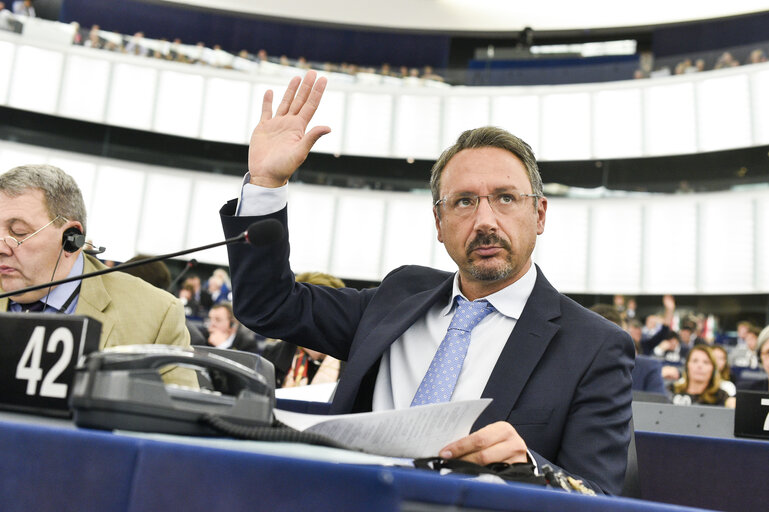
x,y
414,432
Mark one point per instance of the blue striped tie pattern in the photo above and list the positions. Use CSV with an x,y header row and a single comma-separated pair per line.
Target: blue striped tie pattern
x,y
438,383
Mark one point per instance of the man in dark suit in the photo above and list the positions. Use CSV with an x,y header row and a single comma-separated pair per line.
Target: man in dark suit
x,y
559,375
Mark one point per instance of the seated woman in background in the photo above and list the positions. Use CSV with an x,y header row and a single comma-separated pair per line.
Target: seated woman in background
x,y
701,383
762,351
724,370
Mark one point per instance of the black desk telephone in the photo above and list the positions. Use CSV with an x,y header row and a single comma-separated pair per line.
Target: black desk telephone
x,y
121,388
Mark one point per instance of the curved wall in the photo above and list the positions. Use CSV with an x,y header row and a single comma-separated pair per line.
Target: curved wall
x,y
683,114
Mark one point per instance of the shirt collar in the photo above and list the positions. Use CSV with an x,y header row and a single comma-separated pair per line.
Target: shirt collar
x,y
229,341
509,301
61,293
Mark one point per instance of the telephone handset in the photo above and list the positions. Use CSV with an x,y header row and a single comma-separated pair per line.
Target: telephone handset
x,y
121,388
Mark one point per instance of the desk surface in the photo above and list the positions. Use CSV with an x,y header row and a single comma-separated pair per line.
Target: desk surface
x,y
50,465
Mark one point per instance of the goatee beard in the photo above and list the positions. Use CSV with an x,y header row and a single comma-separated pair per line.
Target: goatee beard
x,y
501,272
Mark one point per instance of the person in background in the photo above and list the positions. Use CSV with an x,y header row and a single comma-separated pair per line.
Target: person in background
x,y
724,371
701,383
224,331
762,351
647,372
24,8
299,366
744,356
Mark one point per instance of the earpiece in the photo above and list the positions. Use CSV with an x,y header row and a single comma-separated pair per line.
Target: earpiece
x,y
72,239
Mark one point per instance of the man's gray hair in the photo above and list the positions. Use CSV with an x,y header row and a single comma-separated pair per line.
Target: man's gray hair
x,y
493,137
62,195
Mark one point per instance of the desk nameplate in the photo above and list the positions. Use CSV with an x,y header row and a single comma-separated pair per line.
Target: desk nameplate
x,y
38,356
751,416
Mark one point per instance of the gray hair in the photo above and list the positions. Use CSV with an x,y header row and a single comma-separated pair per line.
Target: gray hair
x,y
62,195
488,136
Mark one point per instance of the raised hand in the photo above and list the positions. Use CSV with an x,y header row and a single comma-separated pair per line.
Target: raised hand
x,y
280,143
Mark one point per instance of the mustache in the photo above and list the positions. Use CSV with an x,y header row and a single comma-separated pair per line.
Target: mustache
x,y
487,239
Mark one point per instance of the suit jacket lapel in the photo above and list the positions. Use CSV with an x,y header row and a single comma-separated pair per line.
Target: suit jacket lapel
x,y
373,345
524,348
94,299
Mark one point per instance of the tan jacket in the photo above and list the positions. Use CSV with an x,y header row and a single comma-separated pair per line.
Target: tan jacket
x,y
132,311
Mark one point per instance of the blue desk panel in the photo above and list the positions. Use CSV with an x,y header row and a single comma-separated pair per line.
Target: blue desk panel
x,y
697,471
58,468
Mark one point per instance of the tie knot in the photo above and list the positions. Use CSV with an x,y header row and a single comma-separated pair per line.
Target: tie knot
x,y
469,313
33,307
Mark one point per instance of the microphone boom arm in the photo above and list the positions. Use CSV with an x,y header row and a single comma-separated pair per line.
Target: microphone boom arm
x,y
240,238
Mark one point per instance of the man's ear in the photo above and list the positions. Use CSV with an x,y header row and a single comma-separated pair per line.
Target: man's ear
x,y
438,224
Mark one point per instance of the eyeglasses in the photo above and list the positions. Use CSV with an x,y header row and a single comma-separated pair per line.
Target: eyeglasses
x,y
13,243
464,205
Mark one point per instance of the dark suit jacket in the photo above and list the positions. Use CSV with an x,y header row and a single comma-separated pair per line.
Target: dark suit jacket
x,y
647,375
562,380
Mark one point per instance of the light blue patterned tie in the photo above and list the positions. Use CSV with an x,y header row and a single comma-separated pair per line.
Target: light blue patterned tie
x,y
441,378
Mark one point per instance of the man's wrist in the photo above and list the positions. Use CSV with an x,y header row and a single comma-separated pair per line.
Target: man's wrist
x,y
266,181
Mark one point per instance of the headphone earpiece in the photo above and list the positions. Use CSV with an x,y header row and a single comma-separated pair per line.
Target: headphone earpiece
x,y
72,239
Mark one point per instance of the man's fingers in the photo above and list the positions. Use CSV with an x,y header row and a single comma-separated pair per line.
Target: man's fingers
x,y
506,451
311,137
266,106
304,92
288,97
498,442
313,101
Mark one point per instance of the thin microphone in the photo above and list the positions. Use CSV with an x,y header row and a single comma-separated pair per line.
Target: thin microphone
x,y
94,250
189,266
260,233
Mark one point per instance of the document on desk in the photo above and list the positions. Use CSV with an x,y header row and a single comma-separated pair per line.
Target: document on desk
x,y
410,433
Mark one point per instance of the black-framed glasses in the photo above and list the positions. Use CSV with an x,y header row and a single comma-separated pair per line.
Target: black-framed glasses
x,y
13,243
464,205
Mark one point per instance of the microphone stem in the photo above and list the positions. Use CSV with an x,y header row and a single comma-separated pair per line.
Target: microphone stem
x,y
241,237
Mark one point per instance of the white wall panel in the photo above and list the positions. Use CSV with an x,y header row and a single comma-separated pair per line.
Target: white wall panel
x,y
84,88
566,126
203,225
519,115
761,251
164,213
116,209
723,107
179,104
562,250
615,246
311,214
132,96
760,106
368,128
669,122
417,126
225,111
462,113
670,245
726,244
7,54
617,123
35,80
358,228
409,232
